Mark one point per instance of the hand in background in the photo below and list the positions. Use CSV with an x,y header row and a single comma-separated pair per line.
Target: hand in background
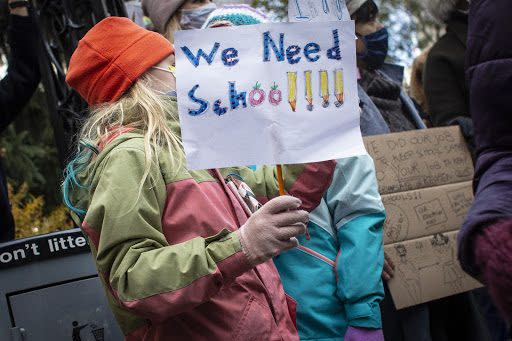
x,y
389,268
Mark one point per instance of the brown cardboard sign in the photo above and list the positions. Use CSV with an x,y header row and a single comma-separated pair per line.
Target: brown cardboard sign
x,y
423,212
427,269
420,159
425,179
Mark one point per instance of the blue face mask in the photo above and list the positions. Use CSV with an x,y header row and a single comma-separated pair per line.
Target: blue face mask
x,y
194,18
376,45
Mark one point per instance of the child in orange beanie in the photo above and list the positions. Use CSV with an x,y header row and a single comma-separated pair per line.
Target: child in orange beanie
x,y
180,254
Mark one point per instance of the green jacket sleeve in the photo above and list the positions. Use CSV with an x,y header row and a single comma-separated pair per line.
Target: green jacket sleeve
x,y
358,214
147,275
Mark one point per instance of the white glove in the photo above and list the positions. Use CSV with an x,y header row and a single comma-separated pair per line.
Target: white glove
x,y
273,229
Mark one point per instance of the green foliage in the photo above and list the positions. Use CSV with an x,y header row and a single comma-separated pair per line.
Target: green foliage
x,y
30,153
30,218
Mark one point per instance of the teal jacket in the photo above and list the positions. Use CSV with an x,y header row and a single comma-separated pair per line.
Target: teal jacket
x,y
335,276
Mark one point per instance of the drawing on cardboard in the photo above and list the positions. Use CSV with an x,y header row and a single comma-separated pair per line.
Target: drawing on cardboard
x,y
452,273
460,201
431,213
396,226
409,274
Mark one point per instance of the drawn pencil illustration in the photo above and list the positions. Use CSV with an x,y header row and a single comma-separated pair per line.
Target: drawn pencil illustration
x,y
452,273
308,90
292,90
324,87
338,87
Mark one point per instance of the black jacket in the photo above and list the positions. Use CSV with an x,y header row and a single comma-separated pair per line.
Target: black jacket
x,y
444,77
16,89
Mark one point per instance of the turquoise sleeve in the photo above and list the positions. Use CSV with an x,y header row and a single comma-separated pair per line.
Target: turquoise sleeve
x,y
358,215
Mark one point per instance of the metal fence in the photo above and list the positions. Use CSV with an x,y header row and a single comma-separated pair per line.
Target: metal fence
x,y
62,23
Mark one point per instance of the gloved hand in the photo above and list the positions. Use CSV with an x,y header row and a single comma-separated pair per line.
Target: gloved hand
x,y
272,229
363,334
493,255
388,271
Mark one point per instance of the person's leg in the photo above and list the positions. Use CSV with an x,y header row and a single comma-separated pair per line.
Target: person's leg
x,y
495,324
416,323
409,324
457,318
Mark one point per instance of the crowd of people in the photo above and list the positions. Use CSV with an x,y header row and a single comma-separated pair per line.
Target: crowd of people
x,y
185,255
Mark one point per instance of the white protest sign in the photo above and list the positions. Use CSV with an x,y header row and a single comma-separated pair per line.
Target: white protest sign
x,y
317,10
268,94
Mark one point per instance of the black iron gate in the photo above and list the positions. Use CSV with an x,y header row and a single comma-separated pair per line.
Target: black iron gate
x,y
62,24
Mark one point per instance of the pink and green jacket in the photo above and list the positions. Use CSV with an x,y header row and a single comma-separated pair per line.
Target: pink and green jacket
x,y
172,266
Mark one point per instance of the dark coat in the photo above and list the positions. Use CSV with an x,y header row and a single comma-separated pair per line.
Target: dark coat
x,y
444,79
490,86
16,89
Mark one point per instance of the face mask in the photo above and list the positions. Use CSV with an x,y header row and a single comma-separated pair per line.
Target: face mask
x,y
376,45
195,18
172,71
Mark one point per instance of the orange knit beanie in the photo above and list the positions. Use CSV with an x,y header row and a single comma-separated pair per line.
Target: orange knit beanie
x,y
110,58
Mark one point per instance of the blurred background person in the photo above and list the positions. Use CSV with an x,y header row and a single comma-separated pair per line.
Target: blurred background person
x,y
381,82
485,242
416,91
16,89
169,16
382,90
410,323
444,80
447,95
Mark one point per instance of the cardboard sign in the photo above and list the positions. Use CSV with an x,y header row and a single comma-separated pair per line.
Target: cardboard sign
x,y
317,10
419,159
427,269
423,212
425,180
268,94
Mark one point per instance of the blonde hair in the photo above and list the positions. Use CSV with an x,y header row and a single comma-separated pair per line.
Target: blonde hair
x,y
172,26
140,108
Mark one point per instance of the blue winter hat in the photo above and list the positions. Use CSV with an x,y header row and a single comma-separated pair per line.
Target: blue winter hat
x,y
235,15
